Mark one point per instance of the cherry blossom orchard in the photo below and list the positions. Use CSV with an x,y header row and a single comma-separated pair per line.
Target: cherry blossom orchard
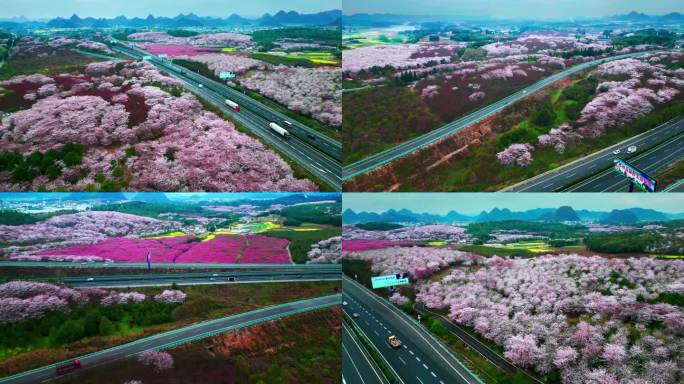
x,y
133,128
591,318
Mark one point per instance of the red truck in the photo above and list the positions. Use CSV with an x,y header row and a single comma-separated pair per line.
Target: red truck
x,y
66,368
233,105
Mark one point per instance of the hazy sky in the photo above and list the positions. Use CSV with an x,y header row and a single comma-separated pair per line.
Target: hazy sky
x,y
37,9
474,203
537,9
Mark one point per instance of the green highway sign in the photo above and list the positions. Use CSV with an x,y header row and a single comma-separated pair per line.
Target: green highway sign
x,y
389,280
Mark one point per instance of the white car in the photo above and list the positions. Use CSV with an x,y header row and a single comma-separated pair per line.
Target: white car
x,y
355,315
344,303
616,152
632,149
90,279
200,85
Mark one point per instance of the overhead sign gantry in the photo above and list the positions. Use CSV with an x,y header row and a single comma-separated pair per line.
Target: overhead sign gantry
x,y
634,175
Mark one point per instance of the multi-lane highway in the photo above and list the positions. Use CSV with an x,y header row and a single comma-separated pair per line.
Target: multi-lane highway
x,y
178,337
269,267
379,159
313,151
650,161
357,365
421,358
654,149
234,277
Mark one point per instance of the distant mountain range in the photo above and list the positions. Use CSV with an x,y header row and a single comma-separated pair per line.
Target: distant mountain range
x,y
262,200
673,17
281,18
561,214
386,19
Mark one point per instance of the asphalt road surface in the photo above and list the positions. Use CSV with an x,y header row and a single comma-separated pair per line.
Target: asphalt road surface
x,y
410,146
237,277
270,267
310,158
178,337
357,365
421,358
578,175
650,162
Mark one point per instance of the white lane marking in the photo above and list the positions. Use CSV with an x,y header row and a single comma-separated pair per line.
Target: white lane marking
x,y
433,374
421,381
418,358
425,366
402,360
410,351
354,365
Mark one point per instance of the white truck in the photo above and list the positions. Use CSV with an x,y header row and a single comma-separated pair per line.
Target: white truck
x,y
233,105
279,130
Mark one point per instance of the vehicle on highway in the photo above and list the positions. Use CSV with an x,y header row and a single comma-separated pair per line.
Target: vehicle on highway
x,y
631,149
64,369
287,123
233,105
344,303
200,85
90,279
279,130
355,315
394,342
616,152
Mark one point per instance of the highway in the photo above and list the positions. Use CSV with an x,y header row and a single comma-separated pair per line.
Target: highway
x,y
379,159
269,267
357,365
677,186
421,358
235,277
650,161
315,152
475,344
655,149
178,337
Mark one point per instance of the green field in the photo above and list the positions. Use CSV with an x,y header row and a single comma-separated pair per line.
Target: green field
x,y
301,241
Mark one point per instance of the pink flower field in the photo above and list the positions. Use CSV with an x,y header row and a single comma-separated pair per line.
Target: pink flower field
x,y
121,249
264,249
221,249
174,50
365,245
185,249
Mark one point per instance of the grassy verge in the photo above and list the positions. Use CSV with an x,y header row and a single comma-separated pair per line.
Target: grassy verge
x,y
44,342
482,367
301,241
670,175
